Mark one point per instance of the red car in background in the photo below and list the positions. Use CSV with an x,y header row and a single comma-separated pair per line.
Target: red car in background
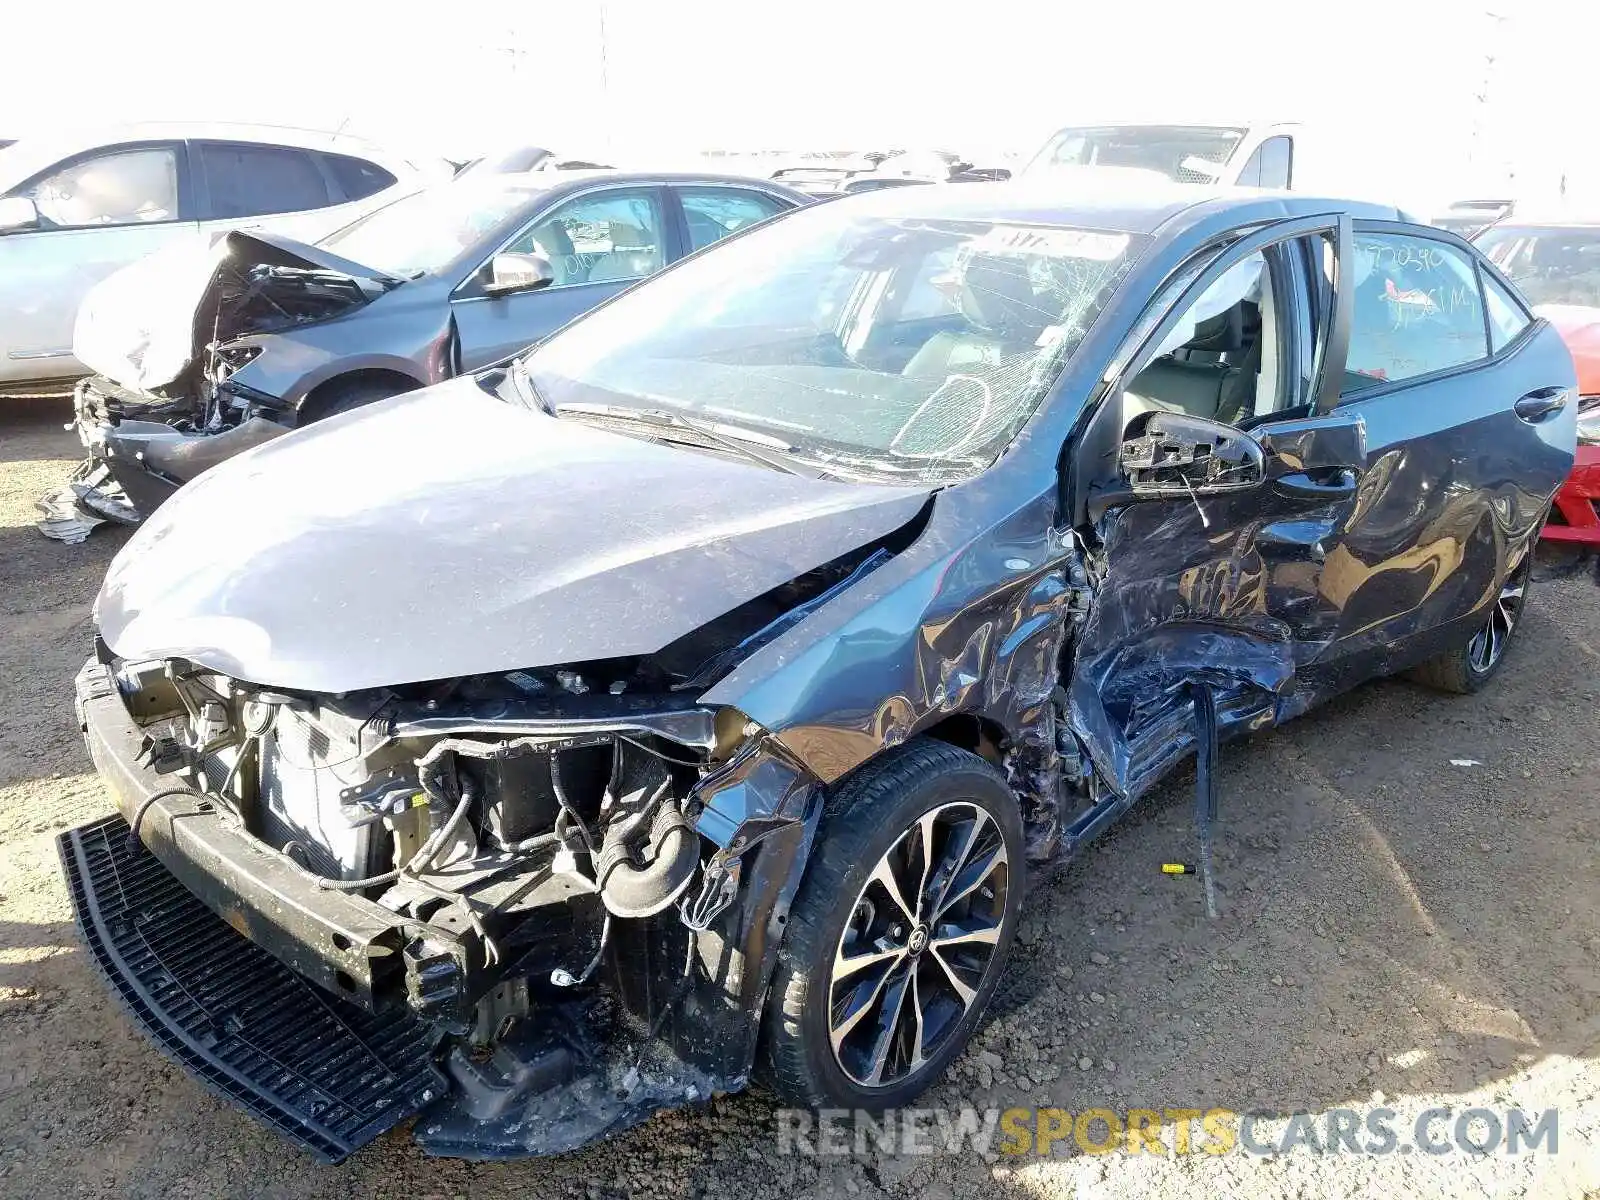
x,y
1556,265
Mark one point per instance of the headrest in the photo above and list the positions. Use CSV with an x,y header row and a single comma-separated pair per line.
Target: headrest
x,y
1221,334
997,296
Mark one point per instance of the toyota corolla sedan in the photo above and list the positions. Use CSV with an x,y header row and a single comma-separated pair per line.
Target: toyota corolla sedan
x,y
689,702
207,351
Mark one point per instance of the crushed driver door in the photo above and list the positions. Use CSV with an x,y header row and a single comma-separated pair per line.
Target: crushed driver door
x,y
1207,552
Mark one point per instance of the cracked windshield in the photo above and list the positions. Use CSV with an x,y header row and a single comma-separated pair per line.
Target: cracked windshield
x,y
883,344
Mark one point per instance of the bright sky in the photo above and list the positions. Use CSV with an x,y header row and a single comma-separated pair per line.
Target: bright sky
x,y
1392,86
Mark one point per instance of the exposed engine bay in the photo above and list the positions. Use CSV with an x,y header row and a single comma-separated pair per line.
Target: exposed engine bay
x,y
508,850
513,859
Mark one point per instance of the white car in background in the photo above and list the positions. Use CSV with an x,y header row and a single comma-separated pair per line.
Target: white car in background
x,y
1242,153
76,207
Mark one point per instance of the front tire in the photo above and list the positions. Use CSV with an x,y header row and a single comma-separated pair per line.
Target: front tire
x,y
898,936
345,395
1469,667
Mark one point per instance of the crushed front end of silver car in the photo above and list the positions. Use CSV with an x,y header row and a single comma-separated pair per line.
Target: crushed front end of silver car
x,y
165,338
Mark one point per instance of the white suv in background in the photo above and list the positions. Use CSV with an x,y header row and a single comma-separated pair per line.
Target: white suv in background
x,y
1243,153
74,208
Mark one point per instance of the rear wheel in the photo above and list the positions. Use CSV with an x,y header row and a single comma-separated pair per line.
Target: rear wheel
x,y
1470,667
897,938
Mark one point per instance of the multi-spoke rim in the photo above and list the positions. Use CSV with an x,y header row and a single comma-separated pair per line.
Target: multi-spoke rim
x,y
918,945
1489,643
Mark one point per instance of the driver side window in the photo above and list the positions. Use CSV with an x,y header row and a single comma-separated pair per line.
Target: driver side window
x,y
607,237
1221,360
125,187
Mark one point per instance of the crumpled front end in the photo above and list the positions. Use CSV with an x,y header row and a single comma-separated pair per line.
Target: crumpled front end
x,y
143,448
567,884
166,337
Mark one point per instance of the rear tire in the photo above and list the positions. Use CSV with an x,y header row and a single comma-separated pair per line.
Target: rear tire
x,y
874,995
1470,667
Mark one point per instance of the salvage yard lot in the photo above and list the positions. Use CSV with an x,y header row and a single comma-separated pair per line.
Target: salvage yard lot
x,y
1391,923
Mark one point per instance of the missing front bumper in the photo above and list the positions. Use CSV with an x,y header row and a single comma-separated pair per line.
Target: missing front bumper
x,y
339,941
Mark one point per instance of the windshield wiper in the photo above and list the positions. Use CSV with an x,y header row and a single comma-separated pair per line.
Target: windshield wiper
x,y
745,443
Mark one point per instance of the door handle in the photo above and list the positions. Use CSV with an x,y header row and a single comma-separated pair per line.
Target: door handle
x,y
1541,403
1329,484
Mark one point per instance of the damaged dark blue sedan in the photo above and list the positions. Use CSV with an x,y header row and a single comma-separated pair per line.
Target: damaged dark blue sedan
x,y
690,701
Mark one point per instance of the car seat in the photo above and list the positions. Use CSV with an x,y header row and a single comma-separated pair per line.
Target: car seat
x,y
1004,319
631,256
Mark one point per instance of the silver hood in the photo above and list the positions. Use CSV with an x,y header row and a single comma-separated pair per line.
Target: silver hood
x,y
143,325
447,532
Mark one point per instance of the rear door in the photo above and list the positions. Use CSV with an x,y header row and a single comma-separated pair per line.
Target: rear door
x,y
597,243
1469,407
100,210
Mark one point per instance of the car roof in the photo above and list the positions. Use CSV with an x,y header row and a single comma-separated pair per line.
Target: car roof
x,y
288,135
1206,120
1111,204
37,152
1549,220
638,176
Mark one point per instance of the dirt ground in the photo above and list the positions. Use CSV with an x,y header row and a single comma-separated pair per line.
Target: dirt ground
x,y
1394,930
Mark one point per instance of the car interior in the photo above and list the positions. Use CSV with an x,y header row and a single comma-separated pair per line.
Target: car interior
x,y
1216,364
1220,362
1003,317
612,250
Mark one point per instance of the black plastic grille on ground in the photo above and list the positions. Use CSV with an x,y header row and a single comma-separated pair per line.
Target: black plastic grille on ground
x,y
326,1074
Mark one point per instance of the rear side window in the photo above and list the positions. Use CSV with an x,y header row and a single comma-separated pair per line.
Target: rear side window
x,y
1417,310
357,177
1269,166
1506,318
124,187
252,181
714,213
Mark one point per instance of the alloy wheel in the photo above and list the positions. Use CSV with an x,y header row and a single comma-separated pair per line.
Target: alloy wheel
x,y
920,940
1489,643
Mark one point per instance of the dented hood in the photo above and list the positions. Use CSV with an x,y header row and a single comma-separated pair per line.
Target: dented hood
x,y
447,532
144,324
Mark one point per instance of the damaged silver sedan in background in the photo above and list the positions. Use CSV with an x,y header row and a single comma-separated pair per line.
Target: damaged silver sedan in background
x,y
207,350
690,701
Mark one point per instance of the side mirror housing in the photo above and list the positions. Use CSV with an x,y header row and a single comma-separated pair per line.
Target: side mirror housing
x,y
1176,455
18,214
511,273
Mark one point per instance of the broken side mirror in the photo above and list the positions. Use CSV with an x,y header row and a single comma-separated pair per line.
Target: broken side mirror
x,y
18,214
509,273
1174,454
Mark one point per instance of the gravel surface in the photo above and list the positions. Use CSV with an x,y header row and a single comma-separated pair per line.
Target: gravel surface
x,y
1395,929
